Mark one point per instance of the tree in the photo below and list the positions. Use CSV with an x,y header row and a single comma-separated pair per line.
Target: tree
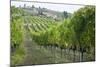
x,y
32,6
40,11
24,5
82,20
65,14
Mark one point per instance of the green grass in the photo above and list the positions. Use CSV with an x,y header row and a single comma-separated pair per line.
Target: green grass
x,y
17,56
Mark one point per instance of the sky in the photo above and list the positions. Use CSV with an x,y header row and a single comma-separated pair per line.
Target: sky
x,y
56,7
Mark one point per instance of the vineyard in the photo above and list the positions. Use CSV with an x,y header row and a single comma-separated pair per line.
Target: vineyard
x,y
39,39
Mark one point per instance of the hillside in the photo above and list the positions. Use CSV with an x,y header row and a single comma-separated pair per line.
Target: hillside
x,y
44,12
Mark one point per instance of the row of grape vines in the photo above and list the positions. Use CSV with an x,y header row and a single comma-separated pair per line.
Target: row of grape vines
x,y
16,22
74,35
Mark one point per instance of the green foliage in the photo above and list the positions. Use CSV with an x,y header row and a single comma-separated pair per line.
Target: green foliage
x,y
17,51
77,31
16,31
17,56
84,26
16,11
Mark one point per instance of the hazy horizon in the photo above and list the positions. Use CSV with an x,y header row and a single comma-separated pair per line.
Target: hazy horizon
x,y
55,7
